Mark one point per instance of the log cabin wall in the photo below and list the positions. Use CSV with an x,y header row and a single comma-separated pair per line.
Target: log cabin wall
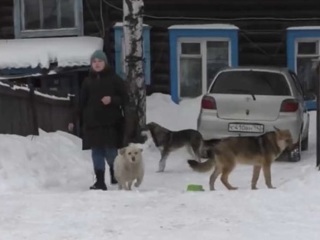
x,y
262,25
6,19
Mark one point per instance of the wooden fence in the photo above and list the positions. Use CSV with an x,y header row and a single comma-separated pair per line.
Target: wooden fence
x,y
23,111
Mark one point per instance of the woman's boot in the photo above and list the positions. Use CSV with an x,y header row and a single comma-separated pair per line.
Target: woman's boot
x,y
99,184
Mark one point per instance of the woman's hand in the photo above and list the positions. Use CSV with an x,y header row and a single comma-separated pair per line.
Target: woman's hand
x,y
106,100
70,127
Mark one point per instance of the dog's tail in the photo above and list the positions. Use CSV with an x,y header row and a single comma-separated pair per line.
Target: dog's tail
x,y
202,167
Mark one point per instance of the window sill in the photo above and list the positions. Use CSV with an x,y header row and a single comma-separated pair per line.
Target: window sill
x,y
50,33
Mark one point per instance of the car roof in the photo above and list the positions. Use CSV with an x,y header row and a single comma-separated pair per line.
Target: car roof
x,y
267,68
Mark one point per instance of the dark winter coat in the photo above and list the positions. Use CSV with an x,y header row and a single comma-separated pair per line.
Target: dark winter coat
x,y
102,124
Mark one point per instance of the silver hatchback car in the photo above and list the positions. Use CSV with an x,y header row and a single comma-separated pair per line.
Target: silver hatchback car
x,y
249,101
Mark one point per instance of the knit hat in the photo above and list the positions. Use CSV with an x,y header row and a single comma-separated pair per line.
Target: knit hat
x,y
99,54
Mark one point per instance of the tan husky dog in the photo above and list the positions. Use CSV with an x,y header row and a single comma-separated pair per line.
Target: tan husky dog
x,y
259,151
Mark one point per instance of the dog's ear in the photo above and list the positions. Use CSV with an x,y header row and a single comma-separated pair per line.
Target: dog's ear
x,y
122,151
140,149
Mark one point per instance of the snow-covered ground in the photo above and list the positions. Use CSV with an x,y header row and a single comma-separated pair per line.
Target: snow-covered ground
x,y
44,193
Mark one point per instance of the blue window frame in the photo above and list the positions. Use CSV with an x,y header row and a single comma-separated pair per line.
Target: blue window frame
x,y
303,47
120,54
197,52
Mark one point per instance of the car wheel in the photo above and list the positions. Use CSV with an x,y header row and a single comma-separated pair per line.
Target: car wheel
x,y
295,154
305,143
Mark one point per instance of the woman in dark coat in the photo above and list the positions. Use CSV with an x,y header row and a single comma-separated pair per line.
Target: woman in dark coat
x,y
102,100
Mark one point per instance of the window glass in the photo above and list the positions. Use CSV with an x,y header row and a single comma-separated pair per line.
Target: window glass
x,y
251,82
217,58
307,48
190,48
190,77
67,13
306,74
50,14
32,15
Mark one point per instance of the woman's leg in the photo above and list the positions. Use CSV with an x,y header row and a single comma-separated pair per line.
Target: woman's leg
x,y
98,156
110,154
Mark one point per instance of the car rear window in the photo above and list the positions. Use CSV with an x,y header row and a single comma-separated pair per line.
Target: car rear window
x,y
251,82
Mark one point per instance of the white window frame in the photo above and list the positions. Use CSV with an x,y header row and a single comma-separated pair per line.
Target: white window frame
x,y
21,33
203,53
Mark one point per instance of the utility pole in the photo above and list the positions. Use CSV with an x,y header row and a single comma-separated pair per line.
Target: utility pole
x,y
318,114
133,38
316,67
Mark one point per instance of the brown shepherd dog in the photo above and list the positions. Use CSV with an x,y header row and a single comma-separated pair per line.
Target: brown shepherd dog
x,y
259,151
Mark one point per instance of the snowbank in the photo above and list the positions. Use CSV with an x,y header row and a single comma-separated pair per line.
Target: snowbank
x,y
42,162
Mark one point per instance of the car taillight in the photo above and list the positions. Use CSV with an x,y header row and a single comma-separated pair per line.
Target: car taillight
x,y
208,103
289,105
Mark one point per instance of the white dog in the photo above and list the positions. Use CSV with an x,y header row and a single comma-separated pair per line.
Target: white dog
x,y
129,166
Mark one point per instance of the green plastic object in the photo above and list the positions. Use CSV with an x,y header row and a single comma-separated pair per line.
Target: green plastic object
x,y
195,188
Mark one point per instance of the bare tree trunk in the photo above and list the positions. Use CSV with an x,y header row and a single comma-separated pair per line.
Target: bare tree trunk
x,y
133,29
317,69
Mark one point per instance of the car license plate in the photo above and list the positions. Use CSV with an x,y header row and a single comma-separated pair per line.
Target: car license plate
x,y
244,127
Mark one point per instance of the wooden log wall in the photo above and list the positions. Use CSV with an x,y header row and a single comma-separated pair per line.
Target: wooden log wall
x,y
6,19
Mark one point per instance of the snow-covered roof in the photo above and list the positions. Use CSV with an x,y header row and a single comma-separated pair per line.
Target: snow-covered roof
x,y
203,26
120,24
304,28
65,51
